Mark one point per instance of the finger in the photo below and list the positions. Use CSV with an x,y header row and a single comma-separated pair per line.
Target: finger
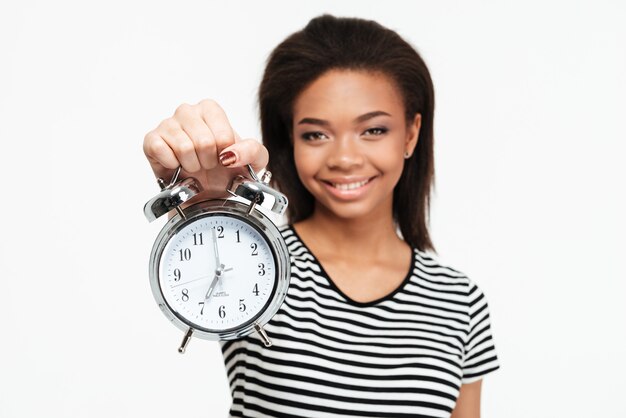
x,y
162,159
203,140
217,121
180,143
246,151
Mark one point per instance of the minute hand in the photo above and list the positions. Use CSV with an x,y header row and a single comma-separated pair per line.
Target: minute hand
x,y
216,250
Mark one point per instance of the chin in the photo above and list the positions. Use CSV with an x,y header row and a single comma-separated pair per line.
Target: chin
x,y
352,211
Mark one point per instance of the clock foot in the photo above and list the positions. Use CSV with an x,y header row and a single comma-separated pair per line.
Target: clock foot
x,y
266,340
186,338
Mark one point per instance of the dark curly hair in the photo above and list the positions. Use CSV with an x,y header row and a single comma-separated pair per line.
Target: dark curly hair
x,y
329,43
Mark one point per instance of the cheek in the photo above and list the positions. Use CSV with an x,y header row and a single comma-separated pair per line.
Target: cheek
x,y
307,164
300,160
389,158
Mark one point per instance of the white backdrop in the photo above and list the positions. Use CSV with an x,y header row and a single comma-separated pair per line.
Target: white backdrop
x,y
530,190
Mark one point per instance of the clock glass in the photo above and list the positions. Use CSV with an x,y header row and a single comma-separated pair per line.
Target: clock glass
x,y
217,272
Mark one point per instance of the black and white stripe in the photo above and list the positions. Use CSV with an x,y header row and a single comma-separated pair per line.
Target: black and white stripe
x,y
405,355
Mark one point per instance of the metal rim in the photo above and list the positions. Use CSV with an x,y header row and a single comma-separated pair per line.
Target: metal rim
x,y
266,229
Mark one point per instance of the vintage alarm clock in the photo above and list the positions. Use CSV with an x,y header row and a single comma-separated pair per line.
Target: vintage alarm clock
x,y
219,269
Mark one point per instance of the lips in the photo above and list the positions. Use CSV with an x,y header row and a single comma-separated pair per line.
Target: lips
x,y
348,187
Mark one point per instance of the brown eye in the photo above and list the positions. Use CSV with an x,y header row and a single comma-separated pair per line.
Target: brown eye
x,y
376,131
313,136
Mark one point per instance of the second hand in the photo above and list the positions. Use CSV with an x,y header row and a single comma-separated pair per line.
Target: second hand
x,y
198,278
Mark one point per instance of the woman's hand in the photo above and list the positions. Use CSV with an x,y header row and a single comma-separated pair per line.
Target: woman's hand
x,y
200,139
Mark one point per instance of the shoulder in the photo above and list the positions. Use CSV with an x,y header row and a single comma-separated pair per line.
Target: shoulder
x,y
452,290
294,245
428,266
286,230
289,235
428,269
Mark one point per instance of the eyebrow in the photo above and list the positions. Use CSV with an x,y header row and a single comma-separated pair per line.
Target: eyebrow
x,y
362,118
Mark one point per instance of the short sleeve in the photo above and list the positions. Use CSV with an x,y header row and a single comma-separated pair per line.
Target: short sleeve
x,y
480,353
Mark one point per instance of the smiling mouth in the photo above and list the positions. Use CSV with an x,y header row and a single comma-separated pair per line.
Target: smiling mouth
x,y
349,186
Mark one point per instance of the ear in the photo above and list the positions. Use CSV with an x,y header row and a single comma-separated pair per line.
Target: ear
x,y
412,133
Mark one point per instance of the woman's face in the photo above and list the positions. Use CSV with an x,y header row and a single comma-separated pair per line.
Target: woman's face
x,y
350,136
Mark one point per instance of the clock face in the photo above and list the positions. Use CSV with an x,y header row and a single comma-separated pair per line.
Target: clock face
x,y
217,272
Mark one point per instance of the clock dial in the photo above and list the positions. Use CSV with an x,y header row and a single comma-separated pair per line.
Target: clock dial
x,y
217,273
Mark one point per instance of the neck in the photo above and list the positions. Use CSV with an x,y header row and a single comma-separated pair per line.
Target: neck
x,y
372,236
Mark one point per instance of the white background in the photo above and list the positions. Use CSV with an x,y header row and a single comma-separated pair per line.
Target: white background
x,y
530,201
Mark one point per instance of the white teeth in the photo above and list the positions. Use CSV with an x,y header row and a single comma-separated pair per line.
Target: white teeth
x,y
350,186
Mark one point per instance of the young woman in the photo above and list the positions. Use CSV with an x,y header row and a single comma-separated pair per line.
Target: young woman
x,y
372,325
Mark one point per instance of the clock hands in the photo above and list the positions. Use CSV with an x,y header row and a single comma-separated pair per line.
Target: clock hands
x,y
219,267
218,273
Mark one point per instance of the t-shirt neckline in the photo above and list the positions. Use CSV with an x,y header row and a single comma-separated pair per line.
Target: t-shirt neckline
x,y
347,299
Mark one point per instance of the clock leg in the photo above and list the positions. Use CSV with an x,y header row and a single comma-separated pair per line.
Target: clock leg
x,y
266,340
186,338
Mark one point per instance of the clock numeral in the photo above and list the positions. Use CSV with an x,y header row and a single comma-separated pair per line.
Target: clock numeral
x,y
185,296
238,240
261,269
255,290
201,310
197,239
220,231
177,275
254,248
221,312
242,306
185,255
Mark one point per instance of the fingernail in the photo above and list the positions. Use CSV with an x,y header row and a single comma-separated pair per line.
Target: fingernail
x,y
228,158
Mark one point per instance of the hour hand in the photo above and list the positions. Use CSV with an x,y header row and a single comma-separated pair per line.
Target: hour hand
x,y
211,287
218,273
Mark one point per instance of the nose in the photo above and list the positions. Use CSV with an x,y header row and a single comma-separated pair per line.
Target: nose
x,y
345,154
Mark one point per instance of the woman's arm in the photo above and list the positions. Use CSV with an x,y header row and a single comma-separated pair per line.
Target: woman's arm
x,y
468,404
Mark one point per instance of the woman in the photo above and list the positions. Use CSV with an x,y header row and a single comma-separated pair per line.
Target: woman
x,y
372,325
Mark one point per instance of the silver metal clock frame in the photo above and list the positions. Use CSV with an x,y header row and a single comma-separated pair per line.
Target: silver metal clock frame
x,y
269,232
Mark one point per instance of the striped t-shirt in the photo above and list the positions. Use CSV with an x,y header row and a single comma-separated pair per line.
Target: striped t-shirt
x,y
404,355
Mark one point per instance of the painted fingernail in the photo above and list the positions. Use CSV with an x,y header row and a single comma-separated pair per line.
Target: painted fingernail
x,y
228,158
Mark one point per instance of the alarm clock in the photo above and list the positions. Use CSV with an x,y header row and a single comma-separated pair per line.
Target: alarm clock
x,y
219,269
